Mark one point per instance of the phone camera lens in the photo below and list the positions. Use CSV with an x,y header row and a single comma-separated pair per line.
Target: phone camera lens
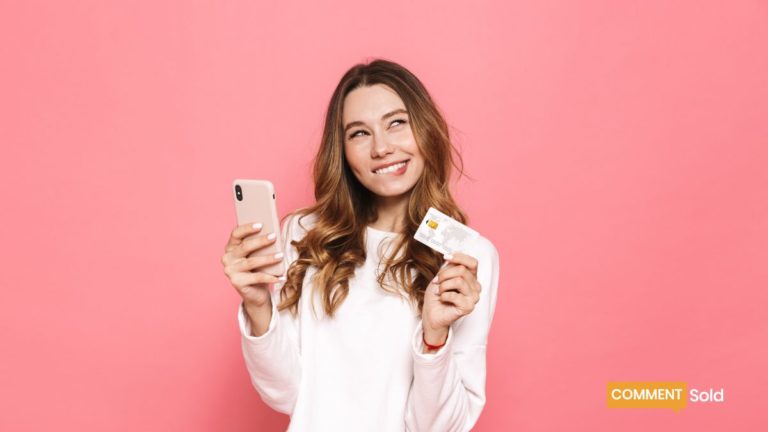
x,y
239,192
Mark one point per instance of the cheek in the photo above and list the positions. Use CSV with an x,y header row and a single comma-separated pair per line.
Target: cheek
x,y
419,168
418,156
411,146
419,164
354,159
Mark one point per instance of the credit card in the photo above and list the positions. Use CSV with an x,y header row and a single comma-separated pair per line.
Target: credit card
x,y
444,233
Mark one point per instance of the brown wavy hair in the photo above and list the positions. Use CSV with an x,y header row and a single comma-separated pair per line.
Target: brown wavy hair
x,y
335,244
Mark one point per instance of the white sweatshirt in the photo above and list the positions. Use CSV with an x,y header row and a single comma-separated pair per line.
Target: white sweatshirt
x,y
365,370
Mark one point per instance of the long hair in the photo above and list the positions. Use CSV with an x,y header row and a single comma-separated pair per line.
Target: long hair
x,y
335,245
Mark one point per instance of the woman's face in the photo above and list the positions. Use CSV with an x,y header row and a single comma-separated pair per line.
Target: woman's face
x,y
378,141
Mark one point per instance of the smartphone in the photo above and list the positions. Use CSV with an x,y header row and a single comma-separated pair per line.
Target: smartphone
x,y
255,202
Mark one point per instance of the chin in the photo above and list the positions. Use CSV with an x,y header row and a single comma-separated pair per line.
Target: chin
x,y
392,192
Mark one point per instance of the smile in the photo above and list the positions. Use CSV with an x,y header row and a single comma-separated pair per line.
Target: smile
x,y
393,168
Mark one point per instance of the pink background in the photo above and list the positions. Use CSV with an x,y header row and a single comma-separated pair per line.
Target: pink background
x,y
618,151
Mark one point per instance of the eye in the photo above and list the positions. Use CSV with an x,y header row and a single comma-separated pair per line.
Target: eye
x,y
401,121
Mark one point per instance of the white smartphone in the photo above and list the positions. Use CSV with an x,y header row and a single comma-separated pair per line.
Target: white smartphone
x,y
255,202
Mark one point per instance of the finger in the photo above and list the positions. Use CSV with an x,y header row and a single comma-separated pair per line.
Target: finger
x,y
468,287
458,285
453,271
468,261
462,305
241,231
252,244
244,279
243,264
473,284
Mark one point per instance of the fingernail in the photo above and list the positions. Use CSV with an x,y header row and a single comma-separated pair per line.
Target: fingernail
x,y
435,279
448,256
257,226
271,236
282,278
436,290
278,255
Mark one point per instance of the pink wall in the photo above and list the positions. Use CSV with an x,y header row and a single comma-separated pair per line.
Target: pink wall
x,y
619,157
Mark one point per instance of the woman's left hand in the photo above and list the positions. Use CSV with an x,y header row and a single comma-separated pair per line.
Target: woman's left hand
x,y
453,294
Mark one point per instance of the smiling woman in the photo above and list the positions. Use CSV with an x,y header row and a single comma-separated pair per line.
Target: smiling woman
x,y
381,149
387,350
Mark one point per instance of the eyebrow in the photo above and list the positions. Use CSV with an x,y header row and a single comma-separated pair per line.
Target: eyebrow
x,y
384,117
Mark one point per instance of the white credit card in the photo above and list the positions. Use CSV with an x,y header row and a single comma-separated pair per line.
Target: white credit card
x,y
443,233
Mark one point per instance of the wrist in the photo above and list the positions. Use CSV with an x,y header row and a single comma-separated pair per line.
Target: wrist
x,y
434,337
258,316
257,309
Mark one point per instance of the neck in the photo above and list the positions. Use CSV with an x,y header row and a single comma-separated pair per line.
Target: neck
x,y
390,213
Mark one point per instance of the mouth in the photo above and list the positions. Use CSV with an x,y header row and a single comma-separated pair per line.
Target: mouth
x,y
397,166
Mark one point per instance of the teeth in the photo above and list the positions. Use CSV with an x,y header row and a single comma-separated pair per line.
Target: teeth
x,y
390,168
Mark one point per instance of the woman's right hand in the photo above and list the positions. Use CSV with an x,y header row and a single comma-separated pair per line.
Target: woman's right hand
x,y
243,272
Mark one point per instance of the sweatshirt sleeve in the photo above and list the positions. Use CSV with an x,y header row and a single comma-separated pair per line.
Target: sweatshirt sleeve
x,y
448,389
273,360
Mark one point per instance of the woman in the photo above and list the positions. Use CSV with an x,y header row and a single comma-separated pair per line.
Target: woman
x,y
371,330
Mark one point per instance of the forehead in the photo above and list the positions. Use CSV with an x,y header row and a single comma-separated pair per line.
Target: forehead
x,y
370,103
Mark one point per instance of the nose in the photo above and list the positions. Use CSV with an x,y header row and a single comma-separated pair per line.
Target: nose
x,y
381,146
